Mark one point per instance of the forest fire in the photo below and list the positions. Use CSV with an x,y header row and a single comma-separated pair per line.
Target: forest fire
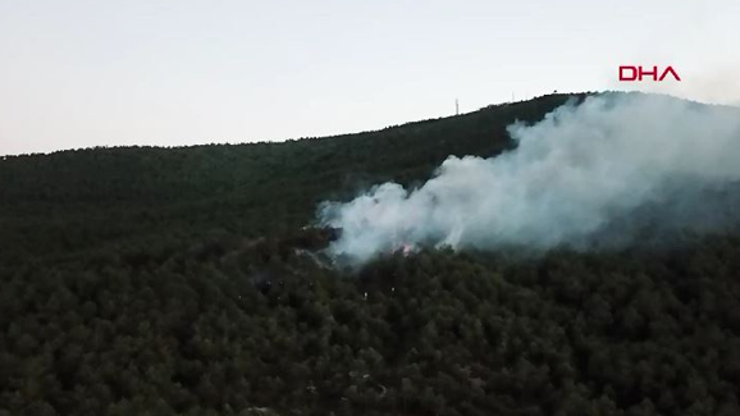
x,y
407,249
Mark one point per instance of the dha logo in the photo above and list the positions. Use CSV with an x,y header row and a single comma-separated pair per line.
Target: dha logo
x,y
636,73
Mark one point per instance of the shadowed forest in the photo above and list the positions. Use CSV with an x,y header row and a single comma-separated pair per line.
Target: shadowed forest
x,y
192,281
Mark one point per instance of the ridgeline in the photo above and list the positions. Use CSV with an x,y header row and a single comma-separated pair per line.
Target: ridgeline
x,y
189,281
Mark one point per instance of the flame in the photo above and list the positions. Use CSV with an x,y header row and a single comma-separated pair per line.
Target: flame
x,y
407,249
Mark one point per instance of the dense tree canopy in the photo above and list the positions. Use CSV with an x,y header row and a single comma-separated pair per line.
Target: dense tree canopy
x,y
183,281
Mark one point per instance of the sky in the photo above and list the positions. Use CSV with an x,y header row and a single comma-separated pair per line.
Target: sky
x,y
85,73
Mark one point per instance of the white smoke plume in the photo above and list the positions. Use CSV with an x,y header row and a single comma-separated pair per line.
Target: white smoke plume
x,y
571,176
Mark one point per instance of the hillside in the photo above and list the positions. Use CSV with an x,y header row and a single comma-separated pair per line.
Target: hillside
x,y
58,204
184,281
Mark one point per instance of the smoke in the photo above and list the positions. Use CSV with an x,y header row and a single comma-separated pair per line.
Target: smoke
x,y
718,84
586,173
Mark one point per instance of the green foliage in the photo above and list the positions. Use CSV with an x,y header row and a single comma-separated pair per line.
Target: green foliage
x,y
148,200
141,281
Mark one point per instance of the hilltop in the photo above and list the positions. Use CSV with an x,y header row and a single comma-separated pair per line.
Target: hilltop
x,y
71,201
189,281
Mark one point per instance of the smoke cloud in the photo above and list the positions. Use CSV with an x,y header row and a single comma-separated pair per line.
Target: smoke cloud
x,y
587,172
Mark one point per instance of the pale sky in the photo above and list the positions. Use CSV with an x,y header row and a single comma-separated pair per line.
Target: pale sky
x,y
82,73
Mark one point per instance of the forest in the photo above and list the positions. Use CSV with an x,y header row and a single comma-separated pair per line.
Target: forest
x,y
193,281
